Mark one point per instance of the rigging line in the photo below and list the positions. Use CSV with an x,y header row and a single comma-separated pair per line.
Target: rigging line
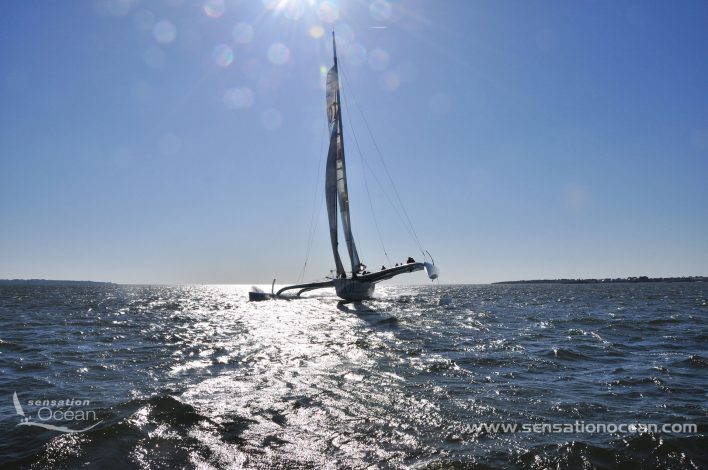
x,y
388,174
396,209
315,212
366,182
318,210
388,197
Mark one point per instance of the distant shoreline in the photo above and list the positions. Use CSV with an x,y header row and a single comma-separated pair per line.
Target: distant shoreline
x,y
608,280
639,279
51,282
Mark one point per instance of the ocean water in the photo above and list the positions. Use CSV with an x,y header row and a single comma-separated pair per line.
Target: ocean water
x,y
198,377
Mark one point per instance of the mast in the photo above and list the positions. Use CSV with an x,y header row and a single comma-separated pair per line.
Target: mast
x,y
339,109
343,193
331,190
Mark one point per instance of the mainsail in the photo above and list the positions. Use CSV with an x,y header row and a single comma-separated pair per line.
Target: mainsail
x,y
336,176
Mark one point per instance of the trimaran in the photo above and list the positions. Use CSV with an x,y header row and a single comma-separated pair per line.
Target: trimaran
x,y
359,284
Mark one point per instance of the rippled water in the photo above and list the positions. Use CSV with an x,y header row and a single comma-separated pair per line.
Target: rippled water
x,y
196,376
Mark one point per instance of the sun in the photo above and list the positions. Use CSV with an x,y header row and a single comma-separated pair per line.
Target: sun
x,y
326,10
292,9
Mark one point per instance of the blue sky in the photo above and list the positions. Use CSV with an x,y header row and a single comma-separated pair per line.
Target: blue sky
x,y
174,141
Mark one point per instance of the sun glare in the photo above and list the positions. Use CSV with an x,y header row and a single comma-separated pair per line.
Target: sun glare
x,y
257,43
288,5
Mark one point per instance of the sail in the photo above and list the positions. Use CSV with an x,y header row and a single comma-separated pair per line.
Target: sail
x,y
336,176
331,188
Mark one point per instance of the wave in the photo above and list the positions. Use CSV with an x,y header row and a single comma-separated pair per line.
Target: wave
x,y
10,347
159,429
693,361
567,354
665,321
640,451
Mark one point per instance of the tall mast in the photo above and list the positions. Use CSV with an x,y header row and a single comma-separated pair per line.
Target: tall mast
x,y
342,175
334,48
331,173
336,175
339,102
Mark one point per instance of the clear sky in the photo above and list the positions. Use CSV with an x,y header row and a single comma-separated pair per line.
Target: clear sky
x,y
182,141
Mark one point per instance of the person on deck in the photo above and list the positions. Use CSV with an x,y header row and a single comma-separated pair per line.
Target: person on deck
x,y
410,260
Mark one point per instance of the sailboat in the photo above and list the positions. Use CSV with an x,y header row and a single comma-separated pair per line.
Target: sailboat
x,y
357,284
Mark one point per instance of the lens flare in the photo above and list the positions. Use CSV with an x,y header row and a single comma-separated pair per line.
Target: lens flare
x,y
378,59
238,98
243,33
380,10
164,32
355,54
293,10
222,55
328,11
214,8
316,31
389,81
577,197
323,77
278,54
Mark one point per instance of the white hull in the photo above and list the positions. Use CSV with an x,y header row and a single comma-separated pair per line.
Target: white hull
x,y
350,289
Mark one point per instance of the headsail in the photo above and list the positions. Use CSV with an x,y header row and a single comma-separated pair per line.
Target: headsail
x,y
336,176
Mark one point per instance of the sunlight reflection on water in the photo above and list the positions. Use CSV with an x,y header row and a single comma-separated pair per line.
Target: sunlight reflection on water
x,y
199,376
